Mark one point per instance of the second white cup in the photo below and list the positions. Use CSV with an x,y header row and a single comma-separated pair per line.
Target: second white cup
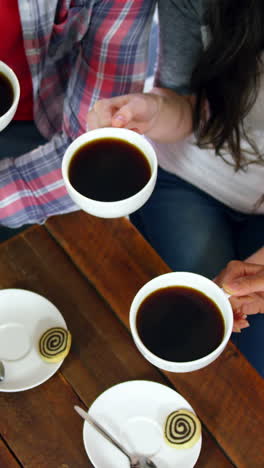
x,y
117,208
155,323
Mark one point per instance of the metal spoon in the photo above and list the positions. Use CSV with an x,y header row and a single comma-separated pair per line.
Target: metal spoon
x,y
136,461
2,371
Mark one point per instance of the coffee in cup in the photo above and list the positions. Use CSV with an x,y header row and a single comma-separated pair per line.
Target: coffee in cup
x,y
181,321
9,94
110,172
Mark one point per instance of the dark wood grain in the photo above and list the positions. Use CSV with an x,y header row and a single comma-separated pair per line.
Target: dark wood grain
x,y
41,427
228,395
210,455
7,460
102,355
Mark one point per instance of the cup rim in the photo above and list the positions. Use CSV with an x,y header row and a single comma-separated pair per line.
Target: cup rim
x,y
114,133
160,362
8,71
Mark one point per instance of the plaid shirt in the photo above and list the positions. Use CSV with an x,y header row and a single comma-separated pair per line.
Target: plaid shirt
x,y
78,51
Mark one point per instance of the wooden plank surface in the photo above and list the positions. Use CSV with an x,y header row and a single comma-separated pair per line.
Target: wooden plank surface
x,y
102,355
228,395
7,459
42,428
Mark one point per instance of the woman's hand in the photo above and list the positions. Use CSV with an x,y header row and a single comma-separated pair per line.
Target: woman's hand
x,y
133,111
245,283
162,115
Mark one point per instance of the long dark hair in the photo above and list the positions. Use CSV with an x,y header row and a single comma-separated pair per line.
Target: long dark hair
x,y
227,75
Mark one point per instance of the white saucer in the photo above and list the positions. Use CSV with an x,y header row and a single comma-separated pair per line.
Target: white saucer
x,y
135,413
32,315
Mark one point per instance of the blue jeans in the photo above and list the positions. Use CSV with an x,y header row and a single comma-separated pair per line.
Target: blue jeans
x,y
16,139
194,232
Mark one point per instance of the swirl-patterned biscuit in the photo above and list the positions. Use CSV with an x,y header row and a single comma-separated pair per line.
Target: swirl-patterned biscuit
x,y
54,344
182,429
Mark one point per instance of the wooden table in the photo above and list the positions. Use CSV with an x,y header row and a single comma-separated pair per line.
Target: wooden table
x,y
91,269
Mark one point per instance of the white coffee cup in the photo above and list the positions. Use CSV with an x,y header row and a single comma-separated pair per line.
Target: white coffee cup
x,y
118,208
6,118
194,281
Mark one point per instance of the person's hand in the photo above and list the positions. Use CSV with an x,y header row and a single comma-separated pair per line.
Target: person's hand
x,y
136,112
162,115
245,283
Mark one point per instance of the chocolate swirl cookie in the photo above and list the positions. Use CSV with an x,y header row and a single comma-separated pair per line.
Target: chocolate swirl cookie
x,y
55,344
182,429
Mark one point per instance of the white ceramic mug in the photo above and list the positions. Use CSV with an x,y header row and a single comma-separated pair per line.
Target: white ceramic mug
x,y
118,208
194,281
6,118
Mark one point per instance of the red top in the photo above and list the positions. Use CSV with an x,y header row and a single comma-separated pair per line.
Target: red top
x,y
12,52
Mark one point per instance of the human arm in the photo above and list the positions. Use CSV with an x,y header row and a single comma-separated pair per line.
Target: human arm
x,y
244,281
165,114
111,59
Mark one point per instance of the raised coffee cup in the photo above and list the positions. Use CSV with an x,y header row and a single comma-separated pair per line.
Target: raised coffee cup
x,y
181,321
110,172
10,94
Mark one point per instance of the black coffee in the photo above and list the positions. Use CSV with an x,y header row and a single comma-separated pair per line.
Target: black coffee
x,y
179,324
109,169
6,94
